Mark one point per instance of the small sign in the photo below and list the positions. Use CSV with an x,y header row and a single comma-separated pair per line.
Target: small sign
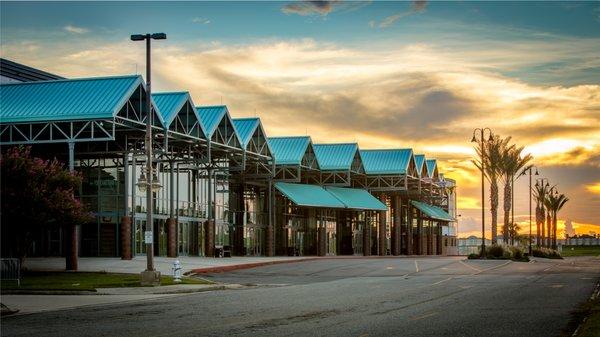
x,y
148,237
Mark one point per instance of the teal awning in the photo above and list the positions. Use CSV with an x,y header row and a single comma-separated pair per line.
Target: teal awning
x,y
433,212
308,195
356,198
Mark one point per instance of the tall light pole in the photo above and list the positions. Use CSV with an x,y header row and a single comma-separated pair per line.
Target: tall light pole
x,y
482,139
149,276
536,173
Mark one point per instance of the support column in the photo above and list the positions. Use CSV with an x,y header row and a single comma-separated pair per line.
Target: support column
x,y
419,236
171,221
382,231
172,237
367,235
238,238
396,225
270,226
209,238
72,252
126,238
409,227
321,235
209,225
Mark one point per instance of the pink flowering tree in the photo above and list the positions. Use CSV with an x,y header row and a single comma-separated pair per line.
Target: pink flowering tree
x,y
35,194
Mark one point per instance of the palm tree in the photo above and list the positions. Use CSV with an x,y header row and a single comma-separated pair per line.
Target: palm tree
x,y
511,164
540,212
554,202
493,156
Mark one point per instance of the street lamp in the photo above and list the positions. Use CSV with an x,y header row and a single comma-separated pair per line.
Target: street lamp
x,y
536,173
482,139
149,182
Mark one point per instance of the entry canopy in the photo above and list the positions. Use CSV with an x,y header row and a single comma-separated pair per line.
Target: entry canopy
x,y
308,195
433,212
356,198
330,197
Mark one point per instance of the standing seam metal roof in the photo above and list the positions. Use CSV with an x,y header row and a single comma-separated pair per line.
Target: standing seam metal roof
x,y
73,99
431,166
420,163
335,157
245,127
169,104
289,150
392,161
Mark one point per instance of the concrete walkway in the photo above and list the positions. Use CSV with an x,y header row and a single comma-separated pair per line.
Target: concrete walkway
x,y
162,264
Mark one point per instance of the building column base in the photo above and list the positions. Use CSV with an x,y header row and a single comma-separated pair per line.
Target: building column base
x,y
209,237
126,238
321,241
171,237
270,242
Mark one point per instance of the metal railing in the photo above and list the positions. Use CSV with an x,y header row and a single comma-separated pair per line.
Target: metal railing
x,y
10,270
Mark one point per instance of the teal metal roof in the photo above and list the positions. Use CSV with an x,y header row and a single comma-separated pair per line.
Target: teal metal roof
x,y
335,157
431,211
245,127
72,99
395,161
431,166
420,163
288,150
308,195
211,116
169,104
356,198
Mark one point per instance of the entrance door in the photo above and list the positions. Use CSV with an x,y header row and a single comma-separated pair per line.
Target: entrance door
x,y
183,238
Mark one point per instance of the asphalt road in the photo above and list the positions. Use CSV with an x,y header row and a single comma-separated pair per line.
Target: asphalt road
x,y
350,297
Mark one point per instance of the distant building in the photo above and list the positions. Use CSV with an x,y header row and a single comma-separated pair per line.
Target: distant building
x,y
471,244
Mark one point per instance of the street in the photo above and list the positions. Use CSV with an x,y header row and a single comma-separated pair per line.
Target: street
x,y
407,296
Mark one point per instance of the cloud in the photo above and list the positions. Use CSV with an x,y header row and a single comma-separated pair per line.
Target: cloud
x,y
75,30
321,8
306,8
594,188
425,96
416,7
200,20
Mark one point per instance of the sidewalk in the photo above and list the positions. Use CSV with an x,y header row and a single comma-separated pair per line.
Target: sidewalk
x,y
162,264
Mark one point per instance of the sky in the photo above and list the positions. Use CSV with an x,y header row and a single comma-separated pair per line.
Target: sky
x,y
420,74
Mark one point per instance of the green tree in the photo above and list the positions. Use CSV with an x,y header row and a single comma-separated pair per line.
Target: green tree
x,y
35,194
511,164
490,153
554,203
540,192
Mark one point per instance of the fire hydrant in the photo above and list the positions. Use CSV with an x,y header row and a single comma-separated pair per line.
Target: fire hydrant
x,y
176,271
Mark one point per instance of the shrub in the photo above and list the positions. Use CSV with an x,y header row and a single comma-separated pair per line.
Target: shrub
x,y
495,252
546,253
473,256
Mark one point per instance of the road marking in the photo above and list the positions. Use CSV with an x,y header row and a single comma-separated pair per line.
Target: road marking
x,y
416,266
442,281
423,316
556,286
388,268
466,264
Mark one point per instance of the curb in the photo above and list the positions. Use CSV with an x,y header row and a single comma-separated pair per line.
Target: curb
x,y
48,292
223,269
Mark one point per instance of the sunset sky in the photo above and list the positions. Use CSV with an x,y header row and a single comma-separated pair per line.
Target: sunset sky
x,y
384,74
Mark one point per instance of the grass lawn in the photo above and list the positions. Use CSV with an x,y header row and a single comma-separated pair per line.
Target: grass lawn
x,y
85,281
591,327
580,251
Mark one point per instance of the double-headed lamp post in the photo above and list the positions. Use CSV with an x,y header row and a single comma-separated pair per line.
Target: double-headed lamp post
x,y
149,183
529,169
482,140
